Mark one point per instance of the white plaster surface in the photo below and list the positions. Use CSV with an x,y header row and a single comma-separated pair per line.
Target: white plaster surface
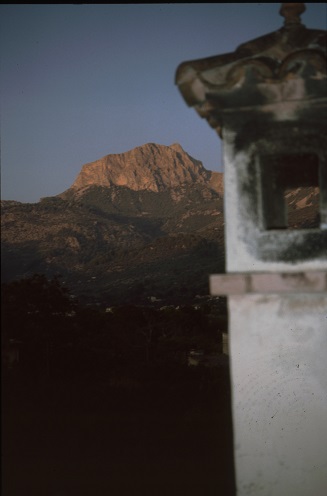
x,y
242,233
278,347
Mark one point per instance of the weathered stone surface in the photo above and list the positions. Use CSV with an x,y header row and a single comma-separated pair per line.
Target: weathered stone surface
x,y
268,102
269,283
277,345
287,65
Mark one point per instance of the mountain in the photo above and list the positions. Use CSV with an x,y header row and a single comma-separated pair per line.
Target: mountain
x,y
149,167
141,224
134,227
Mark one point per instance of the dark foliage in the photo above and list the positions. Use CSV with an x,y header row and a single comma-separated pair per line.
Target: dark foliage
x,y
97,395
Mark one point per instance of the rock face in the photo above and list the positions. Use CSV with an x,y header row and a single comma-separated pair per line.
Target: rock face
x,y
150,167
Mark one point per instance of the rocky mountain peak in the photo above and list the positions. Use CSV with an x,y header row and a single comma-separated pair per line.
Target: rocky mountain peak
x,y
150,167
177,147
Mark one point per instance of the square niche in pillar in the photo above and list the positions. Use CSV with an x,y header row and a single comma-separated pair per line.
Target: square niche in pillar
x,y
275,196
282,178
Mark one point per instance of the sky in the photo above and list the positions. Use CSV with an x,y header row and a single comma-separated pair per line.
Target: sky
x,y
81,81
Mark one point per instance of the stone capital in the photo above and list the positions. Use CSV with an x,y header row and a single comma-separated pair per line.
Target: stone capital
x,y
288,65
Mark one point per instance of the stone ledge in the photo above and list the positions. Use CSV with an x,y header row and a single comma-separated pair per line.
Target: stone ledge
x,y
268,283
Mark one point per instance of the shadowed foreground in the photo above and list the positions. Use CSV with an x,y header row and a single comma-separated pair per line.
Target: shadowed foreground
x,y
166,432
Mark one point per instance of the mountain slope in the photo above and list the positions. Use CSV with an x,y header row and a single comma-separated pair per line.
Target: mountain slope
x,y
147,219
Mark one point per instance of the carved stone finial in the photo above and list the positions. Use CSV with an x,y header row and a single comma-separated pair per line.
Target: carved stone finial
x,y
291,12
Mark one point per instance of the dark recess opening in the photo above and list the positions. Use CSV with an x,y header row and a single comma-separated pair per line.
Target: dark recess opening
x,y
290,191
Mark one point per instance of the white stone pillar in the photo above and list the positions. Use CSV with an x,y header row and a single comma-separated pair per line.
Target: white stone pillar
x,y
278,344
268,102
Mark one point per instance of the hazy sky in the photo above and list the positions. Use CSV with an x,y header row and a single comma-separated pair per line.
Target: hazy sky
x,y
82,81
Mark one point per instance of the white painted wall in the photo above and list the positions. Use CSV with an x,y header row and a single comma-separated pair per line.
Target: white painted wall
x,y
278,346
242,232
